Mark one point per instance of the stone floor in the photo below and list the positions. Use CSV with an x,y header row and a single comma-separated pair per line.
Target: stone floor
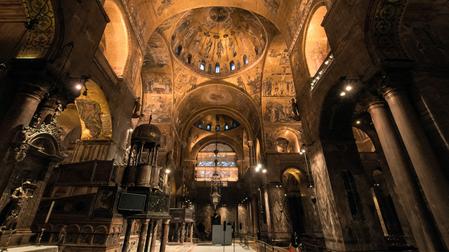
x,y
34,249
206,247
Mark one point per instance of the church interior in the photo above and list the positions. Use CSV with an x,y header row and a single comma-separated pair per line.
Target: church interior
x,y
224,125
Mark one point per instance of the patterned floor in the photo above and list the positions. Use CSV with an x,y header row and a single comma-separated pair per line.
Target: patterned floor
x,y
207,248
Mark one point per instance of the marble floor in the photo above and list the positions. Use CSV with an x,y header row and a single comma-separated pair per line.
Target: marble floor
x,y
207,247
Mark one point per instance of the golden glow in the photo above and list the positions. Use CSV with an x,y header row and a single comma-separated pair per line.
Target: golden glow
x,y
115,38
316,44
363,141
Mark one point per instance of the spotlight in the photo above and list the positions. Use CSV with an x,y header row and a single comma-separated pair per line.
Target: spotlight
x,y
264,170
258,167
348,88
358,122
167,171
303,149
78,87
343,93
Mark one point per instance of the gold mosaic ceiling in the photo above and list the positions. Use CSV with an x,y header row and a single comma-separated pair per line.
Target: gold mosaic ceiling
x,y
218,41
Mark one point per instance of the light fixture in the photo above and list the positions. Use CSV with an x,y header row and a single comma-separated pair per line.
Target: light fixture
x,y
78,87
264,170
342,93
303,149
358,122
258,167
167,171
348,88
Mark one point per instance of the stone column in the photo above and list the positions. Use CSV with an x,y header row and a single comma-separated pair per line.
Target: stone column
x,y
150,231
164,238
431,177
129,224
154,236
143,235
191,233
183,232
19,114
266,202
404,185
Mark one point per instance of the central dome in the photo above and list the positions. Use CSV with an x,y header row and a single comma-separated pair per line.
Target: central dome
x,y
218,41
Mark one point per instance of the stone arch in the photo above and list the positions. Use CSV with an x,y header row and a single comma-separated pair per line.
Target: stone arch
x,y
94,113
86,234
316,45
287,140
220,97
72,234
100,235
115,41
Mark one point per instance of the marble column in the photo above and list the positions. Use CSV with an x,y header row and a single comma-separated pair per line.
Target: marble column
x,y
431,177
129,224
191,233
266,202
164,237
154,236
143,235
150,230
404,185
20,113
183,233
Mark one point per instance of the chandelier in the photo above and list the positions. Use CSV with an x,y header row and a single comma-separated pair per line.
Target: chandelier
x,y
215,181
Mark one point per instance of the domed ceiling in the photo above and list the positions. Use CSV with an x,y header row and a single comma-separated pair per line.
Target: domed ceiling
x,y
218,41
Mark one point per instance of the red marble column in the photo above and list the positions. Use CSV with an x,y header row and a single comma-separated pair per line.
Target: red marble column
x,y
431,177
404,185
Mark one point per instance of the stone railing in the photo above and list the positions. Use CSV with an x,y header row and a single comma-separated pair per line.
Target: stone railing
x,y
321,71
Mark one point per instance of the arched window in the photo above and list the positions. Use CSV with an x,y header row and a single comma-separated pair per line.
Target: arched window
x,y
115,38
202,65
316,44
189,59
217,68
226,165
232,66
245,59
178,50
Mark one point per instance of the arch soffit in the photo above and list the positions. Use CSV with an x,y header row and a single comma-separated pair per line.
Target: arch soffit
x,y
212,139
303,40
219,110
121,15
243,108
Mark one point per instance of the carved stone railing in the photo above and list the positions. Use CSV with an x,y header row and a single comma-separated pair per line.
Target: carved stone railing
x,y
87,150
